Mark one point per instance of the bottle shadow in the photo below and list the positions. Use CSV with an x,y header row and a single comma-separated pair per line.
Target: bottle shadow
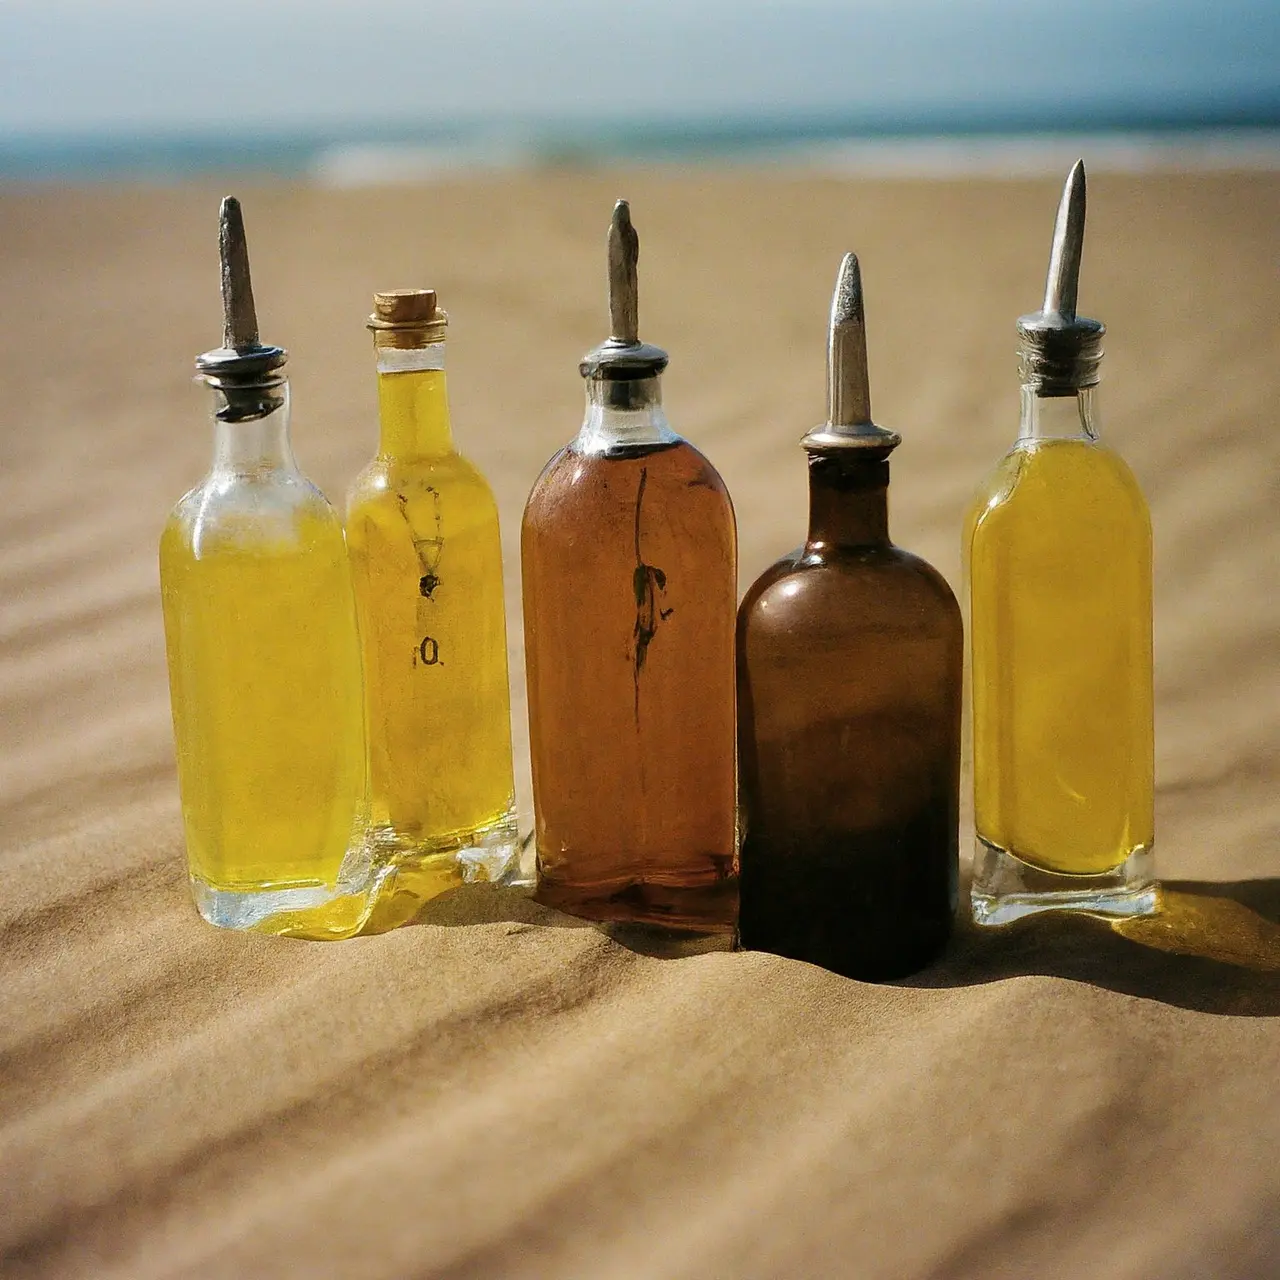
x,y
405,905
1211,947
482,903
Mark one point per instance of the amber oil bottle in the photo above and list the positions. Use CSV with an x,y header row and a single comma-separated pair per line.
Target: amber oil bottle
x,y
628,553
850,656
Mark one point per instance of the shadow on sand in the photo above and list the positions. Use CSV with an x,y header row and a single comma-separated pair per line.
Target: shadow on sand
x,y
468,904
1211,947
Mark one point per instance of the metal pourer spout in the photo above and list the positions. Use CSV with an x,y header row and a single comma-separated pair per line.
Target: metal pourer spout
x,y
242,368
623,357
1063,281
1060,352
239,315
624,288
849,424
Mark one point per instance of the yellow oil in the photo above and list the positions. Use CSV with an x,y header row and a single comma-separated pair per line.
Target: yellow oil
x,y
1058,565
265,684
422,529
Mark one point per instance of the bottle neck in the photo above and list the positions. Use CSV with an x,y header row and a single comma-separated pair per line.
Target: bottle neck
x,y
413,410
1069,417
622,413
245,442
848,502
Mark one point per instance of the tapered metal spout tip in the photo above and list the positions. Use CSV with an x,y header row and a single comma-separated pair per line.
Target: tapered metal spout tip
x,y
622,356
240,318
1063,282
848,387
242,363
849,424
1059,350
846,302
624,255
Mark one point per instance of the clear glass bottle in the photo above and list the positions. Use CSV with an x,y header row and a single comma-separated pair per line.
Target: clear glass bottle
x,y
1058,572
850,661
264,661
629,555
422,527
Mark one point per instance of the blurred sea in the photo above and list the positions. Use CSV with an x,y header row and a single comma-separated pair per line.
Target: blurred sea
x,y
372,156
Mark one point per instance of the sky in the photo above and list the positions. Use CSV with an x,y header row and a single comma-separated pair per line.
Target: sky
x,y
121,67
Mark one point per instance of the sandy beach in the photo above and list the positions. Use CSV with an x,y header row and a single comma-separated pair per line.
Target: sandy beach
x,y
501,1090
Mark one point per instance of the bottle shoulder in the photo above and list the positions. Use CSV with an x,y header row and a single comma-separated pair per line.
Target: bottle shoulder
x,y
1068,477
848,590
929,580
779,571
705,471
250,511
387,479
574,480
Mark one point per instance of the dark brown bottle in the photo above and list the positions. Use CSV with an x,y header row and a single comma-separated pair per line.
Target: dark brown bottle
x,y
629,560
849,686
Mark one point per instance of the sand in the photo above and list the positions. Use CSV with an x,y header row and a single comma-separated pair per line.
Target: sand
x,y
502,1090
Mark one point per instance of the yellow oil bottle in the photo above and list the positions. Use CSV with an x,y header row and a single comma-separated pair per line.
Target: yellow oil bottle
x,y
426,555
1058,578
264,661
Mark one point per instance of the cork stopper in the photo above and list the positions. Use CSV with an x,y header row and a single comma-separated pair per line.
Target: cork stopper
x,y
849,424
407,319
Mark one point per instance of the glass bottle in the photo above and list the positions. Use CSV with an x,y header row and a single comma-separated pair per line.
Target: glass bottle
x,y
422,527
629,554
1058,569
850,660
264,661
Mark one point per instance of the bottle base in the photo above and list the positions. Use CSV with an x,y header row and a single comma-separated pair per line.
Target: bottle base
x,y
490,853
1005,888
874,904
316,912
495,854
711,908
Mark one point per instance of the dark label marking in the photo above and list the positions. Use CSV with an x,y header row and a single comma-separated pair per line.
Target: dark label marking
x,y
429,548
428,653
648,582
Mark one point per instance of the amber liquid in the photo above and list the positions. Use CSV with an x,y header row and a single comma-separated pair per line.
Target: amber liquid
x,y
629,561
849,685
